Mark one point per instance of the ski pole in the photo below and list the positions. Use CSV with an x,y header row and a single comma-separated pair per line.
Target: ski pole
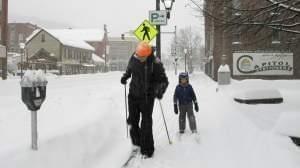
x,y
126,111
162,112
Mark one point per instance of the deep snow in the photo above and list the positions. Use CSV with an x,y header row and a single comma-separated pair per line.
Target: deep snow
x,y
82,124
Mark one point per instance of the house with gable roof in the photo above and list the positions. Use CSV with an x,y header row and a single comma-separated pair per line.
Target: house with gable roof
x,y
64,51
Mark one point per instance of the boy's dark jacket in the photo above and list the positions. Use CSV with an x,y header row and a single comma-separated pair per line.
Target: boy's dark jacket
x,y
147,78
184,94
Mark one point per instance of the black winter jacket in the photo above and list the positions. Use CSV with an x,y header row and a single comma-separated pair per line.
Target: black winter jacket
x,y
147,78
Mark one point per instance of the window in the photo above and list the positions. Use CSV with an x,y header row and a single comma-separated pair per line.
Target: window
x,y
69,53
43,38
66,52
236,36
236,4
275,36
21,38
13,35
0,7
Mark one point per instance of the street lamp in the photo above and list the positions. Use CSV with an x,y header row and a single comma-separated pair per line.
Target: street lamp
x,y
168,5
22,47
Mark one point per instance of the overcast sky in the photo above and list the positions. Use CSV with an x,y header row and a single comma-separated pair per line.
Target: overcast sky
x,y
120,15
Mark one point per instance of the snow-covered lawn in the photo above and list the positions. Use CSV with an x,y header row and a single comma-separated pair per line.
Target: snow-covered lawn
x,y
82,124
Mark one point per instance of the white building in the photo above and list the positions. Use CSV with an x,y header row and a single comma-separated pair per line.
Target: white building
x,y
68,51
120,51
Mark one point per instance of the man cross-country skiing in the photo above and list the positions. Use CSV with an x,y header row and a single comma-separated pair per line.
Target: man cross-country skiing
x,y
148,81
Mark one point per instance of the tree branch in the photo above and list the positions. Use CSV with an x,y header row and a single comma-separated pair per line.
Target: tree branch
x,y
290,7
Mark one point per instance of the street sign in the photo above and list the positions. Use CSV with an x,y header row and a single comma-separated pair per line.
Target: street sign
x,y
158,17
2,51
146,31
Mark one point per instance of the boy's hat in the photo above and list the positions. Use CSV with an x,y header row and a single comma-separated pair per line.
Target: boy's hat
x,y
184,75
143,49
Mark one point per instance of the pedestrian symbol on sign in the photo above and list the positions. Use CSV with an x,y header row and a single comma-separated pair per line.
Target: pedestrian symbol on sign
x,y
146,31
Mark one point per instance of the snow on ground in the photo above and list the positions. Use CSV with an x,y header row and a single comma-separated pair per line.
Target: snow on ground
x,y
82,124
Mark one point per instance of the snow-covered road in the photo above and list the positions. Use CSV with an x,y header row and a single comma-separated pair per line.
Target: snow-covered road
x,y
82,124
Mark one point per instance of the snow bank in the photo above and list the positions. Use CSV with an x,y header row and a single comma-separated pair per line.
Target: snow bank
x,y
289,124
82,124
79,148
97,58
258,94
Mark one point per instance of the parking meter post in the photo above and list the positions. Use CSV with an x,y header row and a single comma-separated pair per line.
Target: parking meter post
x,y
34,132
33,89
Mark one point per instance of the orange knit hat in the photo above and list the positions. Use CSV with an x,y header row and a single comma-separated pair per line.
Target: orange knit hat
x,y
143,49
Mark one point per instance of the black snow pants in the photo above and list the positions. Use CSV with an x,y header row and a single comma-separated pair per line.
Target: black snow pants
x,y
141,133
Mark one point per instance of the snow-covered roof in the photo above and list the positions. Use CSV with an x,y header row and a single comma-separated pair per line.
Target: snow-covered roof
x,y
80,34
130,38
35,32
266,93
73,37
97,59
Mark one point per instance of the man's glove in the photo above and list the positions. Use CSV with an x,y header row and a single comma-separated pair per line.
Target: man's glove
x,y
175,109
196,107
159,95
124,80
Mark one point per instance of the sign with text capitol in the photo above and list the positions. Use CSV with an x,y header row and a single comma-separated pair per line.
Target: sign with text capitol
x,y
259,63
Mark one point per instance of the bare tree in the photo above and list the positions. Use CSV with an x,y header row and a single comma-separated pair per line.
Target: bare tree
x,y
281,15
189,39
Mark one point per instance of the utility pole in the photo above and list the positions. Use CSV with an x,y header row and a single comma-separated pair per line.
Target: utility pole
x,y
3,26
176,59
158,47
105,44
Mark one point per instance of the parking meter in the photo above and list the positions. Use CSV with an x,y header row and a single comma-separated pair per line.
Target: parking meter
x,y
33,90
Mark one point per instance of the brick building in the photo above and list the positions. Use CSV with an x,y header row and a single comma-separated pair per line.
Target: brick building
x,y
17,33
251,50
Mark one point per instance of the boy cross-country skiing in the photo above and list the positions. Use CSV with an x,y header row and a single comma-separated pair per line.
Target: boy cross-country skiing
x,y
184,96
148,81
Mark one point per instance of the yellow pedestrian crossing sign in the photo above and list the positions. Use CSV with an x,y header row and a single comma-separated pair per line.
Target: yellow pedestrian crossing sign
x,y
146,31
